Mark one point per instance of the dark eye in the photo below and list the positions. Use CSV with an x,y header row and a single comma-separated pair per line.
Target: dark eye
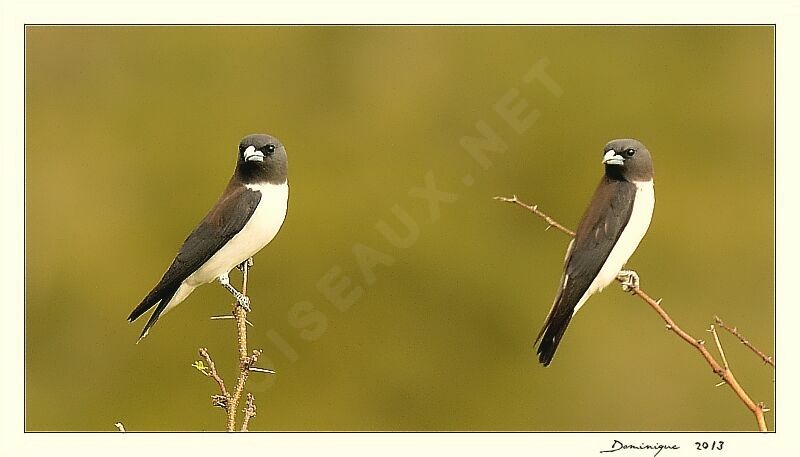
x,y
630,152
269,149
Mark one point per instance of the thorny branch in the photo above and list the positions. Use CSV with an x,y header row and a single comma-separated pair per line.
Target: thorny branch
x,y
724,373
735,332
217,400
230,400
244,361
535,210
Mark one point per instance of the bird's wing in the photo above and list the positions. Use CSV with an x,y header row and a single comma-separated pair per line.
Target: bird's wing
x,y
598,232
221,223
599,229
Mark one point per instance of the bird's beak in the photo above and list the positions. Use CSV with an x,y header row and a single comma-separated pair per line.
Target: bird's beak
x,y
251,154
612,158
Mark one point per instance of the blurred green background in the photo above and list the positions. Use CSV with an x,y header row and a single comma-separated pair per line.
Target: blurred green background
x,y
132,134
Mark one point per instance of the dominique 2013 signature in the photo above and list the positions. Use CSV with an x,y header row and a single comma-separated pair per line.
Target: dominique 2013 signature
x,y
618,445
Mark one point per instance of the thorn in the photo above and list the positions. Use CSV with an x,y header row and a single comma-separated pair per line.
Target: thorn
x,y
658,302
262,370
701,342
669,327
121,427
547,228
535,207
722,383
228,316
219,401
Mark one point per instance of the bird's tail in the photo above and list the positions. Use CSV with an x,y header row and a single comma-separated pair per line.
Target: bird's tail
x,y
158,297
551,333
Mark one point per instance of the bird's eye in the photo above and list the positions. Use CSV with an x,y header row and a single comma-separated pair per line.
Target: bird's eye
x,y
630,152
269,149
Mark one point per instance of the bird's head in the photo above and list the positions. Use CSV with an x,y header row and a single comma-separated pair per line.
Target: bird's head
x,y
628,159
262,158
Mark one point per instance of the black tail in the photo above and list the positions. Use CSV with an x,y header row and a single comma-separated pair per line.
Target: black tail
x,y
551,334
158,295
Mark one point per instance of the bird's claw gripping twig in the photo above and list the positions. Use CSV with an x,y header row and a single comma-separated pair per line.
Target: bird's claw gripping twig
x,y
241,299
629,279
244,302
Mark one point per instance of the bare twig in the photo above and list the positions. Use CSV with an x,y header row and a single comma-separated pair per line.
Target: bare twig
x,y
725,374
249,411
713,331
735,332
535,210
245,368
218,400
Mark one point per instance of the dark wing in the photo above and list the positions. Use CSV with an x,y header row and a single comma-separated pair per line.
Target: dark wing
x,y
221,223
599,229
598,232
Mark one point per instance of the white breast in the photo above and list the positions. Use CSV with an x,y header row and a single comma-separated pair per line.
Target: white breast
x,y
257,233
631,235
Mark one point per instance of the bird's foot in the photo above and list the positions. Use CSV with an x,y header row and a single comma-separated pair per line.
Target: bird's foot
x,y
248,263
244,302
630,280
241,299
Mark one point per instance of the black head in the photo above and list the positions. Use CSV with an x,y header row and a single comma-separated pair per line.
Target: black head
x,y
628,159
262,158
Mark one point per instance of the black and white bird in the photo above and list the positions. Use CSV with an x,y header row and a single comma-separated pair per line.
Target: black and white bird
x,y
611,228
246,218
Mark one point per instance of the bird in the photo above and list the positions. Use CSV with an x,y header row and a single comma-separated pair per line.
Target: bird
x,y
610,230
247,216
